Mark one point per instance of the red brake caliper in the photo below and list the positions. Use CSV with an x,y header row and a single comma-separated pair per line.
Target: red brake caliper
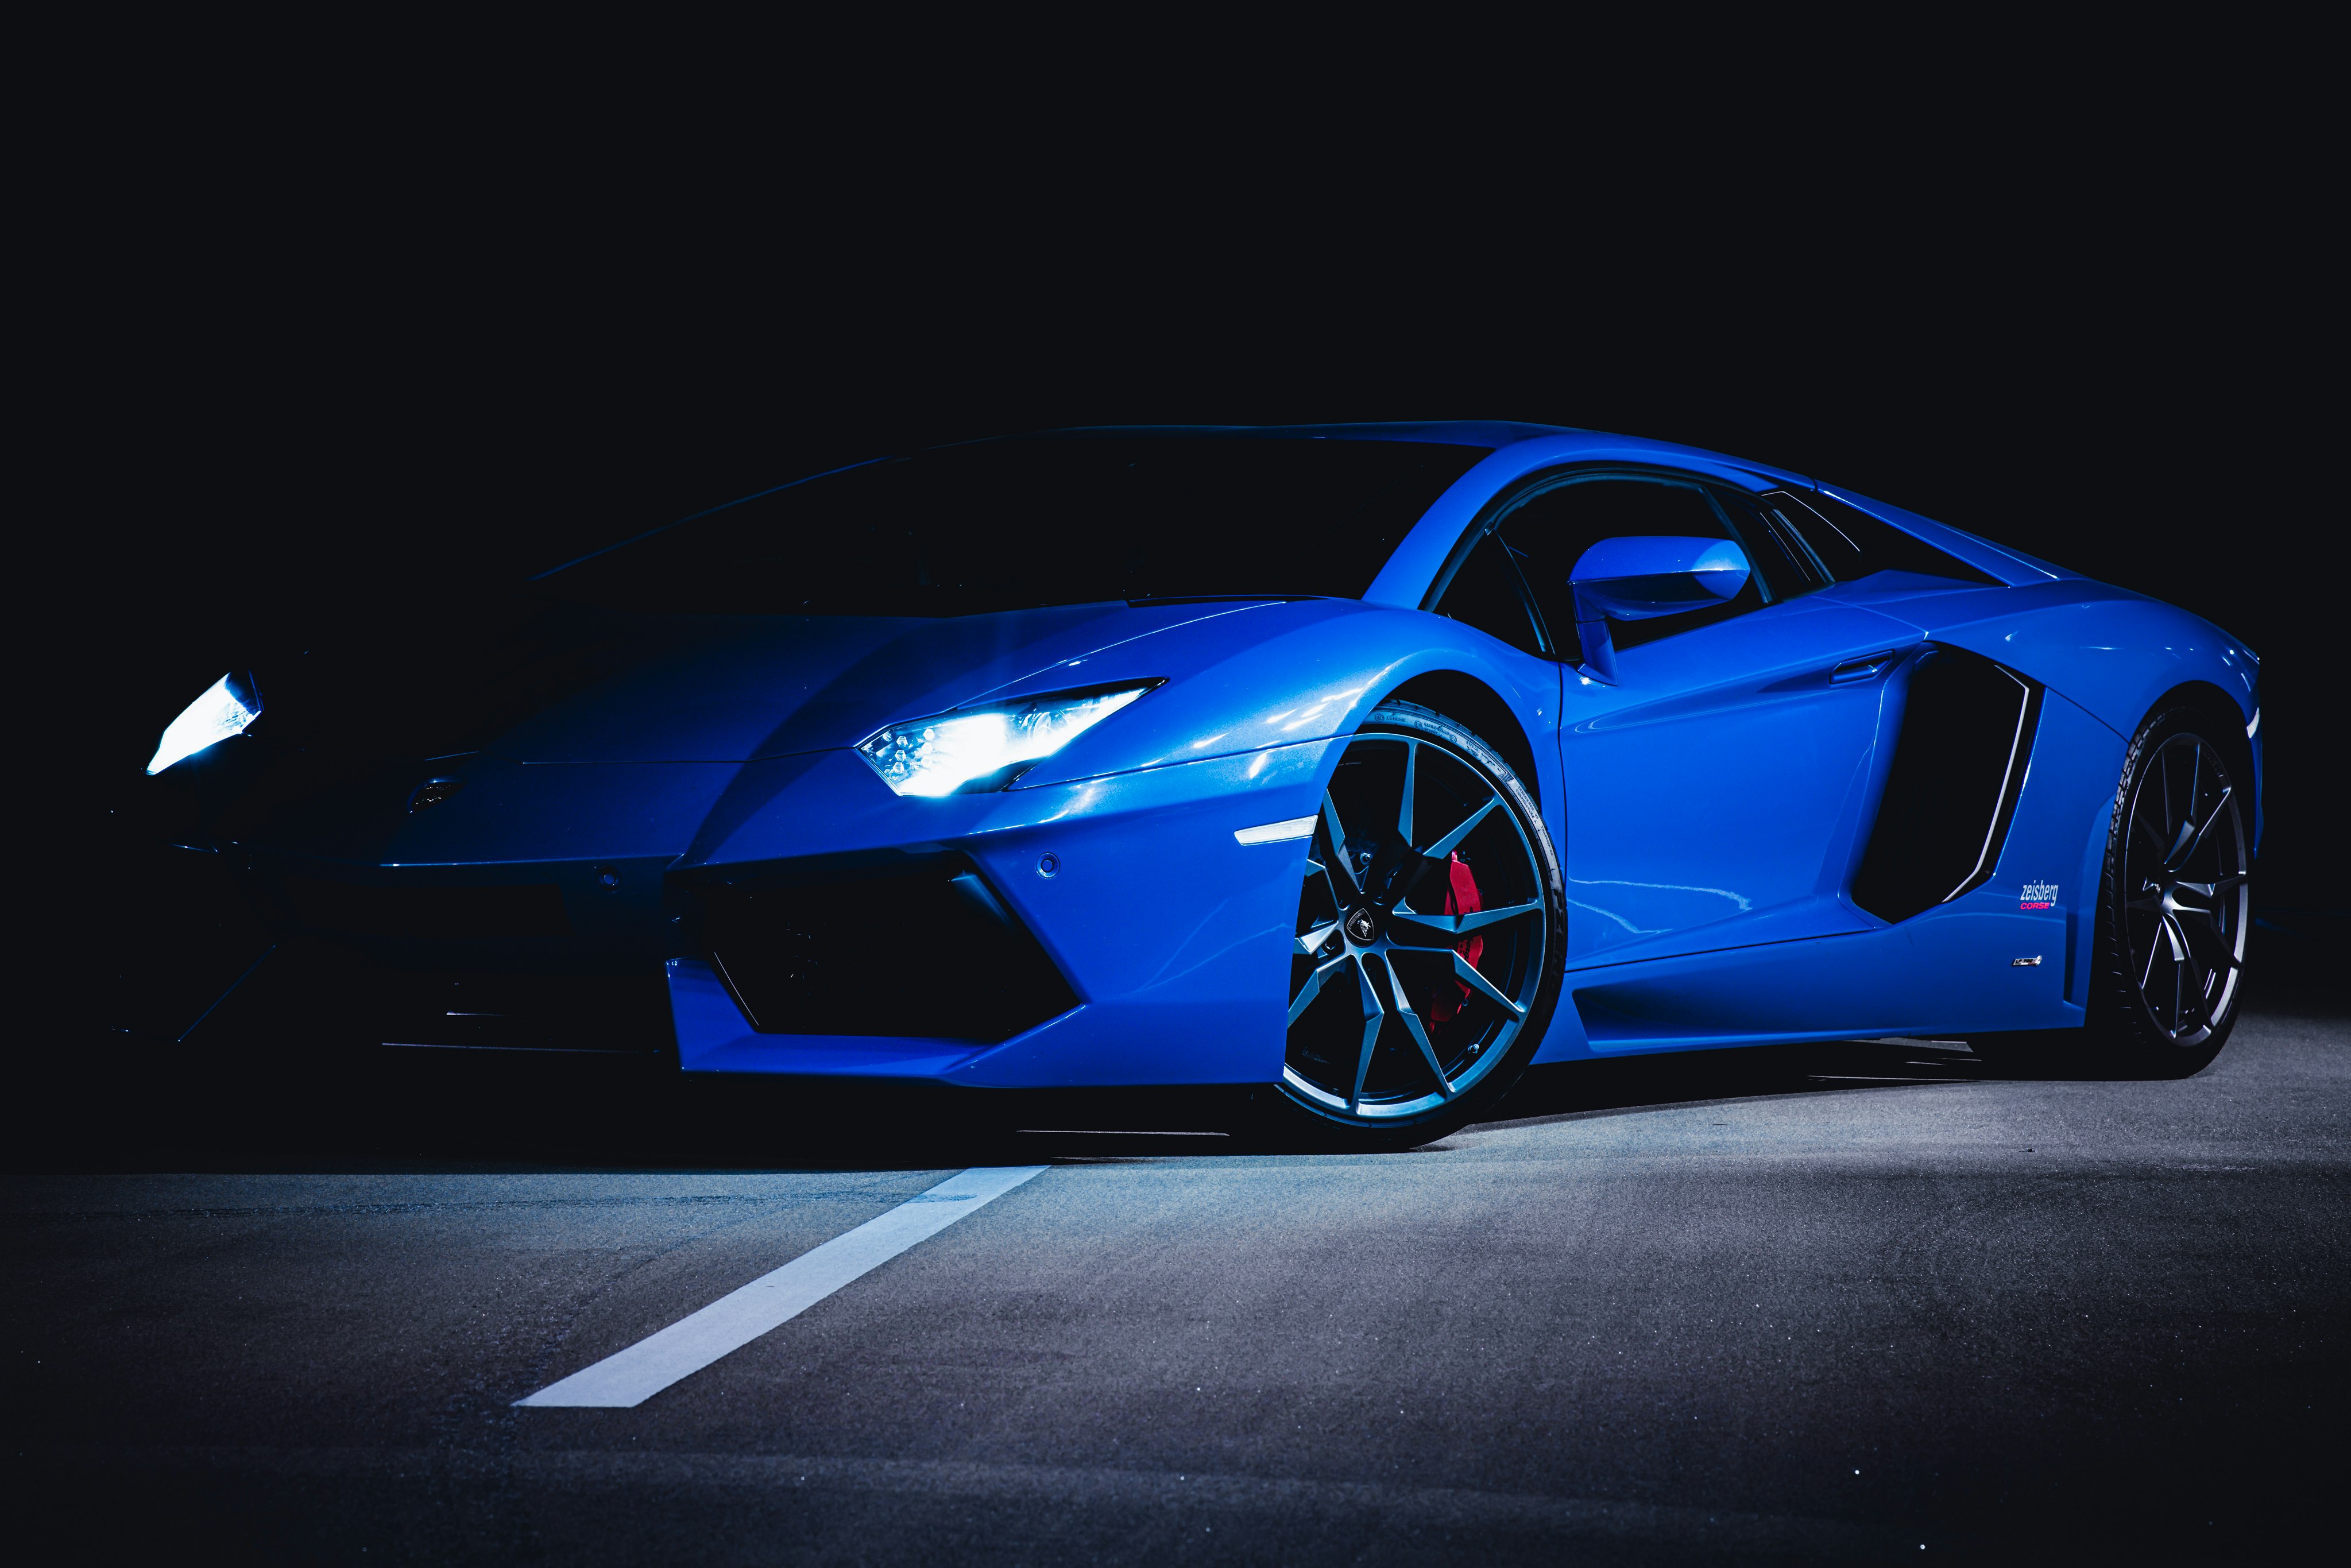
x,y
1461,898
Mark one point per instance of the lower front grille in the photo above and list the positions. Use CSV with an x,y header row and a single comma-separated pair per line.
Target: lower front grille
x,y
516,1012
933,954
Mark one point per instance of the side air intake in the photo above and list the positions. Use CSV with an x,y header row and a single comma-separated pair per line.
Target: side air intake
x,y
1958,763
930,952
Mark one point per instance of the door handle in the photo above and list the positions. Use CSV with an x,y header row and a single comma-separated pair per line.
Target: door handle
x,y
1861,669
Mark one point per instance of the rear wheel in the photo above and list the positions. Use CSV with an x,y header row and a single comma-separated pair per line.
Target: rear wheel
x,y
2174,912
1429,941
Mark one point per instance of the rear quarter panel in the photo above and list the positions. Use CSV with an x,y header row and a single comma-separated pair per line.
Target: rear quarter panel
x,y
2114,652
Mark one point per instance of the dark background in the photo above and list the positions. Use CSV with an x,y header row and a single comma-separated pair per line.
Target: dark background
x,y
279,382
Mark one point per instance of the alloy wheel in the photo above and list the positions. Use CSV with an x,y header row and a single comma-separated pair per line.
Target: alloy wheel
x,y
1422,926
2185,898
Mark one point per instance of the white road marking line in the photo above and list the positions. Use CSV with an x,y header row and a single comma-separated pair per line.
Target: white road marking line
x,y
734,1320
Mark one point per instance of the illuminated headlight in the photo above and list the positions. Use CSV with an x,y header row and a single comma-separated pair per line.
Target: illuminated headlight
x,y
227,706
978,749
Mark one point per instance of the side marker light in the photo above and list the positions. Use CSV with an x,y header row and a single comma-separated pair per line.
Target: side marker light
x,y
1278,832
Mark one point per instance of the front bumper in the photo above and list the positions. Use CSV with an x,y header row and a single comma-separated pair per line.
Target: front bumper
x,y
1160,941
1171,937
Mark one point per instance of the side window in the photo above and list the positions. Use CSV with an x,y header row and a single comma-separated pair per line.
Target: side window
x,y
1550,529
1775,548
1484,593
1852,544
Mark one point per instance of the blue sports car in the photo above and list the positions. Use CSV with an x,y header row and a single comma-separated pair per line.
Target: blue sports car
x,y
1367,765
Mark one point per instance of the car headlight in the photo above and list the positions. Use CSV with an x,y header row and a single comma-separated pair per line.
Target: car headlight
x,y
978,748
227,706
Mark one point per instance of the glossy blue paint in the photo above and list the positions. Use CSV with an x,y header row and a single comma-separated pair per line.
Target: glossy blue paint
x,y
758,687
1422,553
1714,791
1284,674
1950,970
1642,579
712,1037
1709,807
1191,992
2114,652
2061,831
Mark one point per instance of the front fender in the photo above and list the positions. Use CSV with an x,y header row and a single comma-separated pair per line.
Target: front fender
x,y
1310,671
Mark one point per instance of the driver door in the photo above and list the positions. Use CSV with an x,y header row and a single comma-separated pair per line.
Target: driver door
x,y
1716,791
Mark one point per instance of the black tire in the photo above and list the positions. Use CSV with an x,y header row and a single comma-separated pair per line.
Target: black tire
x,y
1413,794
2174,914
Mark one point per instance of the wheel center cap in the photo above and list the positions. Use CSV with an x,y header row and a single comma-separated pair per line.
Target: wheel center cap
x,y
1362,926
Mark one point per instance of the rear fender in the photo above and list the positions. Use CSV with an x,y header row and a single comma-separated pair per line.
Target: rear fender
x,y
2114,652
2119,656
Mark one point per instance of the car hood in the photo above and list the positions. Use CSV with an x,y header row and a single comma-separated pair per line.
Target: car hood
x,y
539,680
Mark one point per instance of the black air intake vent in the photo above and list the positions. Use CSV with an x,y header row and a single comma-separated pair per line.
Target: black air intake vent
x,y
933,953
1967,735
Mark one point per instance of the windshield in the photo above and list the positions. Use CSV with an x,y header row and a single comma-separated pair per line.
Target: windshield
x,y
1013,524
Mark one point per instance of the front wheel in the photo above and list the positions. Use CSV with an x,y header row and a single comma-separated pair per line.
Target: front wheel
x,y
1430,940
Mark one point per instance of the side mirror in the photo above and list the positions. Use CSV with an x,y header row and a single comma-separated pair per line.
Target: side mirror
x,y
1643,578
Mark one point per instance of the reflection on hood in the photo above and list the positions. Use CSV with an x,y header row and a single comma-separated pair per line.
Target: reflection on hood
x,y
539,680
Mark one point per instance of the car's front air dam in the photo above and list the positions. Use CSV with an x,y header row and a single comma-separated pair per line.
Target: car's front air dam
x,y
1173,934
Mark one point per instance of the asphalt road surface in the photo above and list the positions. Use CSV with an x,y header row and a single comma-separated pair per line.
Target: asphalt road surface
x,y
1855,1303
